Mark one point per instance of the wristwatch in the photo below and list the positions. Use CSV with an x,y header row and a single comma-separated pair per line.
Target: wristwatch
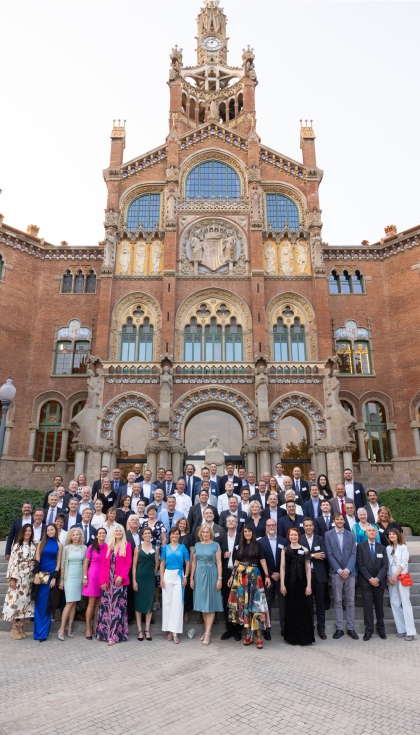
x,y
85,577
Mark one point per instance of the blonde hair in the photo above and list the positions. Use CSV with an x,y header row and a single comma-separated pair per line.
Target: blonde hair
x,y
254,502
69,539
118,546
200,532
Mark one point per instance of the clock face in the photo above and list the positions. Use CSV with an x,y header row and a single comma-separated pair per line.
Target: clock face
x,y
211,43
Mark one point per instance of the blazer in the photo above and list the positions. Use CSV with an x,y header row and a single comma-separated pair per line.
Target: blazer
x,y
359,495
130,540
96,487
370,516
15,529
308,509
281,512
401,555
337,559
257,496
286,523
369,567
320,527
152,491
259,528
318,565
214,491
164,517
92,532
336,504
224,546
241,516
273,564
47,494
163,486
195,480
66,522
122,566
212,501
122,491
218,531
237,484
195,516
116,484
303,491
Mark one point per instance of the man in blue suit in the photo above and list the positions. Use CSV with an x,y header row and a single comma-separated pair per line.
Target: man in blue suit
x,y
89,532
190,481
354,490
312,507
170,515
341,554
271,546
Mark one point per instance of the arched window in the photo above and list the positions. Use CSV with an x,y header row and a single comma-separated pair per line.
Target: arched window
x,y
353,349
192,341
233,342
2,267
216,340
289,339
346,283
334,283
358,283
67,282
213,179
146,341
72,349
137,341
281,211
144,212
377,442
91,282
48,439
213,341
79,282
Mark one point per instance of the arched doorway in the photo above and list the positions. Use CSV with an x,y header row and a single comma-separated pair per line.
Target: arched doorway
x,y
208,423
133,435
294,437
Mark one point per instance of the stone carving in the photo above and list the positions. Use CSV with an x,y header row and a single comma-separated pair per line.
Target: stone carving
x,y
270,256
261,394
215,454
313,219
156,254
256,203
110,246
340,423
197,251
111,219
86,425
125,256
317,256
248,57
171,206
176,63
286,258
302,255
172,174
215,245
165,396
254,173
140,258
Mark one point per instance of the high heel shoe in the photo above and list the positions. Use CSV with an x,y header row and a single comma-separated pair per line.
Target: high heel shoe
x,y
206,643
70,634
147,633
140,634
60,637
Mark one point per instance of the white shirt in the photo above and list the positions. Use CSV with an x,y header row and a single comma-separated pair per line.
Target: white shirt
x,y
273,544
136,538
37,534
349,489
48,518
280,479
147,489
109,529
252,489
223,502
83,506
72,520
351,521
245,507
273,514
98,521
62,536
183,503
27,520
263,501
231,546
375,510
134,500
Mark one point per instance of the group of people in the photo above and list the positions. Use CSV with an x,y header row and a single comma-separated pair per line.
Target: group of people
x,y
208,544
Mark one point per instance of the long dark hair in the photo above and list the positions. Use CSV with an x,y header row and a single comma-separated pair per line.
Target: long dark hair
x,y
95,543
246,550
325,491
20,538
42,543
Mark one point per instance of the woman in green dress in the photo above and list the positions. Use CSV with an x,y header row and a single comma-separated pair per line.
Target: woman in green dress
x,y
207,583
145,566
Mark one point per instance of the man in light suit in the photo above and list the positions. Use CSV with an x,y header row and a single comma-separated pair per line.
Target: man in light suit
x,y
223,499
233,510
372,506
312,507
341,554
89,532
190,480
354,490
317,552
300,486
372,564
271,546
170,515
338,504
16,527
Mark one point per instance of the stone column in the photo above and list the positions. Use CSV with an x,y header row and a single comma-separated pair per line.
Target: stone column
x,y
393,440
416,437
93,464
64,445
152,461
321,463
7,437
106,459
348,460
79,462
251,463
165,457
334,466
32,440
275,459
361,444
264,460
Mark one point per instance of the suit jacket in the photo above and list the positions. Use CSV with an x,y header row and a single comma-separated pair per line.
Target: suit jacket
x,y
369,567
338,559
304,490
241,516
370,516
152,491
218,531
66,522
318,569
286,523
92,532
46,496
224,546
122,567
273,564
164,517
308,509
163,486
139,478
116,484
359,495
66,500
212,501
15,529
96,487
257,496
336,504
237,484
214,491
194,480
320,527
195,517
281,512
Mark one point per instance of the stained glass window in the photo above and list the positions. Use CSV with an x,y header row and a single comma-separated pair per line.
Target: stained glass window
x,y
213,179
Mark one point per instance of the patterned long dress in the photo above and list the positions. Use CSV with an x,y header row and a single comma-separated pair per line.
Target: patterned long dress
x,y
247,603
112,613
18,603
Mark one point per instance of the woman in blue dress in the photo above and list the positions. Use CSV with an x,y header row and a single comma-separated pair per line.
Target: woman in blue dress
x,y
359,530
47,560
174,557
207,583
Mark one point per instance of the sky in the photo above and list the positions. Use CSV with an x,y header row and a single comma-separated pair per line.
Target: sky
x,y
69,68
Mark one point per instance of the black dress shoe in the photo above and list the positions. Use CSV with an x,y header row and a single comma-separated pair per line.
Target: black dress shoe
x,y
237,637
226,635
338,634
367,637
322,635
382,635
353,634
327,605
267,635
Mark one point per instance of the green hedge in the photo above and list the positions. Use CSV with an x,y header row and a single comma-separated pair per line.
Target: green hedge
x,y
11,501
404,506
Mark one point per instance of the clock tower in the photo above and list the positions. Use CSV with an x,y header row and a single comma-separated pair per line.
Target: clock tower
x,y
211,34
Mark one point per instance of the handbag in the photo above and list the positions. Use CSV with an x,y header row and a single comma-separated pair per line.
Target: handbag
x,y
44,577
405,579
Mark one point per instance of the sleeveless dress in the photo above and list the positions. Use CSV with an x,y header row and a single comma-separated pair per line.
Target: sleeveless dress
x,y
298,620
18,603
42,616
207,598
73,575
145,578
247,602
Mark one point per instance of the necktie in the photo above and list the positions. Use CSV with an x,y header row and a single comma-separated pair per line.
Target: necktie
x,y
343,510
372,551
51,516
297,485
189,487
167,488
86,534
327,522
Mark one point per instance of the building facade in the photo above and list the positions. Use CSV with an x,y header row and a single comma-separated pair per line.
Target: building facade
x,y
212,307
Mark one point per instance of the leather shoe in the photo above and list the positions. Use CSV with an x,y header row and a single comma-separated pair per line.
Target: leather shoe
x,y
322,635
367,637
382,635
327,605
353,634
338,633
237,637
226,635
267,635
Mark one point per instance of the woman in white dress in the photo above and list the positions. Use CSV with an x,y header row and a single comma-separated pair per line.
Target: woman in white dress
x,y
18,604
98,518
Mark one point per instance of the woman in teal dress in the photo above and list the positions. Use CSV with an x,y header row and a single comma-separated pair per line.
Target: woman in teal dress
x,y
71,579
359,530
206,579
47,559
145,566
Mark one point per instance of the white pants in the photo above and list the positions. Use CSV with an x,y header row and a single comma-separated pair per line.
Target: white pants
x,y
401,608
172,605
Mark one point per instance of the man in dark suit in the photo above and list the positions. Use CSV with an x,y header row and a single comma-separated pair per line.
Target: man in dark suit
x,y
73,517
299,485
208,517
271,546
195,513
272,509
372,563
316,546
338,504
89,532
372,506
116,481
168,485
312,507
341,554
230,477
137,472
190,480
133,536
58,480
261,495
229,546
354,490
16,526
290,520
324,522
233,510
96,487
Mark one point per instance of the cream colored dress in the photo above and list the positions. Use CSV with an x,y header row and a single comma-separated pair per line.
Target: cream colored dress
x,y
18,603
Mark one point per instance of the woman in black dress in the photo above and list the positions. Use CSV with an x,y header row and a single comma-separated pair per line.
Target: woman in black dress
x,y
108,496
186,538
324,487
295,585
124,511
255,520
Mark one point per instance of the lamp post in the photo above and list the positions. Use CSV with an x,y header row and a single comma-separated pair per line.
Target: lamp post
x,y
7,394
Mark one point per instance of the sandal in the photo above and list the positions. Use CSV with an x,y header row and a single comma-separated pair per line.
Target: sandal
x,y
176,639
247,641
206,643
111,643
147,633
70,634
140,634
169,637
259,643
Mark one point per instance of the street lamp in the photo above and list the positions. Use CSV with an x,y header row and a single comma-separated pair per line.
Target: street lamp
x,y
7,394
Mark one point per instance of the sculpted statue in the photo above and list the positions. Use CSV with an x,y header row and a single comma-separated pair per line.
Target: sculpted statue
x,y
109,249
125,257
318,260
140,258
214,453
286,258
229,246
302,255
256,203
94,384
270,256
340,423
171,207
261,393
165,395
197,251
156,253
214,110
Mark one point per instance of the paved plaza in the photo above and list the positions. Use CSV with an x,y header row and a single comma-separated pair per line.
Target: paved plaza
x,y
81,686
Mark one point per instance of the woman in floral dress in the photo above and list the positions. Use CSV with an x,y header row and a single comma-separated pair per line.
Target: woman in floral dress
x,y
114,578
18,604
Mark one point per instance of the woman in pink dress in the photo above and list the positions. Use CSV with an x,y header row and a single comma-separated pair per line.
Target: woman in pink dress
x,y
91,583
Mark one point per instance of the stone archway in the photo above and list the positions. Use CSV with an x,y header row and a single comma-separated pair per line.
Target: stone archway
x,y
300,403
133,404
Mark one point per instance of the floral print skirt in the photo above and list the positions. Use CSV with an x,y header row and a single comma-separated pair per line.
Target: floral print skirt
x,y
112,613
247,602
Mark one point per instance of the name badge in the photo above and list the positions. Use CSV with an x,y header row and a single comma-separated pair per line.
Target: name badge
x,y
380,556
381,530
216,535
301,524
317,548
300,551
258,538
281,546
333,524
357,491
241,520
237,547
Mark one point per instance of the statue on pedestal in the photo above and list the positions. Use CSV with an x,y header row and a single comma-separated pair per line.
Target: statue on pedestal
x,y
215,455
